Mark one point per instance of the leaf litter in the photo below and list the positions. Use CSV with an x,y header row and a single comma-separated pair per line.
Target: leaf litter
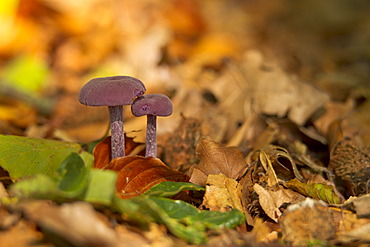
x,y
270,124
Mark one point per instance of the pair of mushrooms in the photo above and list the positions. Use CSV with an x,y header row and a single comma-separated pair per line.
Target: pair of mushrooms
x,y
117,91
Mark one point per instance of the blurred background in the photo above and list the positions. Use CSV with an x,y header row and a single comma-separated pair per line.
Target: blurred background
x,y
220,61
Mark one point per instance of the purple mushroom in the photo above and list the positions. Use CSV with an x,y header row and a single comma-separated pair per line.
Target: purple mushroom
x,y
113,92
152,105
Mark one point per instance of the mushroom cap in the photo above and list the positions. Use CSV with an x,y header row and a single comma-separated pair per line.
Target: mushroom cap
x,y
152,104
111,91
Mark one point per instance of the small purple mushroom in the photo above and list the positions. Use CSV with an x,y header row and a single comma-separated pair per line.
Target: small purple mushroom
x,y
152,105
113,92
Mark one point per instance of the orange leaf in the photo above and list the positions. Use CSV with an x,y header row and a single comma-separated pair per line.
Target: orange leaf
x,y
102,151
137,174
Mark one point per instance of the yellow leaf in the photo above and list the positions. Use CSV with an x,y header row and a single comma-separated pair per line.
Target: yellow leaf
x,y
222,193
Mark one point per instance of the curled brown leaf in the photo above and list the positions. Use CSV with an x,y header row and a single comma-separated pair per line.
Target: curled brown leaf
x,y
137,174
102,151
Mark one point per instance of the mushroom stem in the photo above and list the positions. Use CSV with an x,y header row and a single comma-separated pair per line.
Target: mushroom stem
x,y
116,126
151,142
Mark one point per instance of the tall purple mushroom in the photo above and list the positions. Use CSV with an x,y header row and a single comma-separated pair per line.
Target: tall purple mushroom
x,y
152,105
113,92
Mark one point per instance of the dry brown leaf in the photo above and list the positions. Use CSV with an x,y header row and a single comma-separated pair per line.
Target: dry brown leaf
x,y
262,232
215,158
77,223
279,160
270,201
355,125
7,219
351,228
358,235
222,193
277,93
21,234
158,236
361,205
17,113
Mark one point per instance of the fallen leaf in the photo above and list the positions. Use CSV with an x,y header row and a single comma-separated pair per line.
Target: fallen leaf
x,y
279,160
359,235
222,193
361,205
169,188
72,181
8,219
215,158
137,174
182,219
23,156
102,151
76,223
319,191
271,201
21,234
289,96
260,230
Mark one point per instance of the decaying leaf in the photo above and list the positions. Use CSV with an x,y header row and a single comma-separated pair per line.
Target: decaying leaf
x,y
214,159
76,223
222,193
21,233
270,200
262,232
278,161
137,174
361,205
306,221
289,96
267,165
315,190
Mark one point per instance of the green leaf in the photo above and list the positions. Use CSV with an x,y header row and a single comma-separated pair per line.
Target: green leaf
x,y
315,190
74,181
68,183
175,209
73,174
169,188
39,186
24,156
88,159
102,187
216,219
182,219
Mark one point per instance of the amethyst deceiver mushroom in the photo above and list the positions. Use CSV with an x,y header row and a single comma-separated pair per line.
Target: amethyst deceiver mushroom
x,y
113,92
152,105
